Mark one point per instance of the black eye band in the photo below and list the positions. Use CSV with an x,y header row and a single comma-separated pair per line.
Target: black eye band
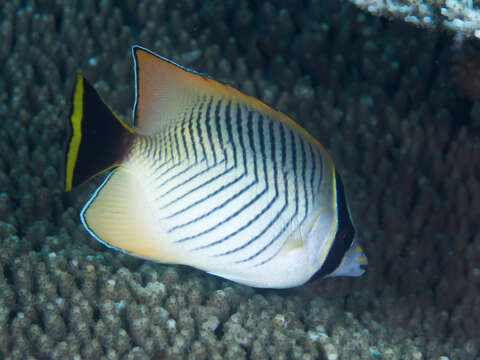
x,y
344,236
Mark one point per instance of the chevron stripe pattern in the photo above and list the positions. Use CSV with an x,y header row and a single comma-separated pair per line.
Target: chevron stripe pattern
x,y
228,180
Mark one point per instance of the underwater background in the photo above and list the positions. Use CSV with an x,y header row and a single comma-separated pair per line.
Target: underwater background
x,y
397,107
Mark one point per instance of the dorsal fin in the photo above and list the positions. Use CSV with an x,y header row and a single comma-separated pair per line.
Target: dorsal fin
x,y
166,91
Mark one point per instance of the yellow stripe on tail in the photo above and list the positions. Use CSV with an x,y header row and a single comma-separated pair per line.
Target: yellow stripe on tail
x,y
98,141
75,122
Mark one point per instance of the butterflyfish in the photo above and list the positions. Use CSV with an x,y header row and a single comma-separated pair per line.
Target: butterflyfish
x,y
211,178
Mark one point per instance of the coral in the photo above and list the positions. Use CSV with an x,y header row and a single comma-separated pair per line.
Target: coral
x,y
461,17
466,70
403,137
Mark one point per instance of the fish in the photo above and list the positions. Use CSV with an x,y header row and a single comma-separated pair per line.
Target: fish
x,y
211,178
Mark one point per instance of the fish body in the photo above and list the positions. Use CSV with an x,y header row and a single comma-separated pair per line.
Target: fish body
x,y
211,178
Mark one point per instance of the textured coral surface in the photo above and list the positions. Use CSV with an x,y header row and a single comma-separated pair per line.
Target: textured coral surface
x,y
462,17
393,105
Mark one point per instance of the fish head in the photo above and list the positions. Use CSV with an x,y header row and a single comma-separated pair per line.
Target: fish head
x,y
334,249
352,263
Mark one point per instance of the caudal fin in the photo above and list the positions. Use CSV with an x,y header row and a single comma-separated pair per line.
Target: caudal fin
x,y
98,140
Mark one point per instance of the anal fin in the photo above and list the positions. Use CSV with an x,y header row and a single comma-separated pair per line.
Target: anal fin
x,y
120,216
